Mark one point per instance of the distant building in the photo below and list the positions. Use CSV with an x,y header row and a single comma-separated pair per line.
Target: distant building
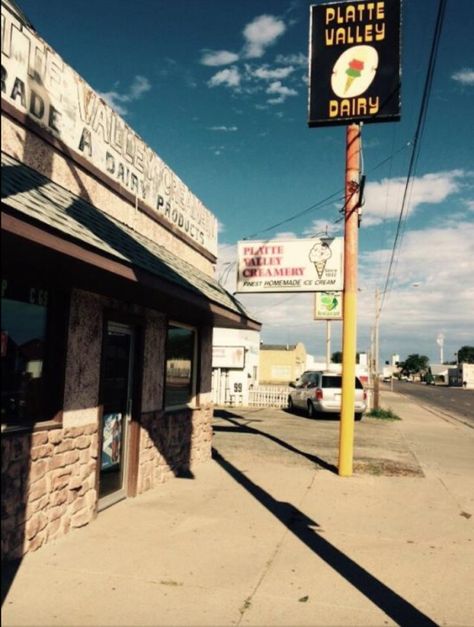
x,y
467,376
442,374
461,375
235,357
281,363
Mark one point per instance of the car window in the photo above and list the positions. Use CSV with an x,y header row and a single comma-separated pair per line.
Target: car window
x,y
303,380
331,381
313,379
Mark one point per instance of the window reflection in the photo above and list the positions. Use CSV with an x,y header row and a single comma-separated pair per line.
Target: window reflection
x,y
24,313
179,365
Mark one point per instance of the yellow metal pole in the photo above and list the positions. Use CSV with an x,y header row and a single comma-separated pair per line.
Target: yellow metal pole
x,y
349,323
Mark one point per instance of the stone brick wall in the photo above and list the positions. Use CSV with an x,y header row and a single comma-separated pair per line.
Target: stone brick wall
x,y
48,485
172,444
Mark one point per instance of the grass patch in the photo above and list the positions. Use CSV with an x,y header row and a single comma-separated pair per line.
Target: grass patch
x,y
383,414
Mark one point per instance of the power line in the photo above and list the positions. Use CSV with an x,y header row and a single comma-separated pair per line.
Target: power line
x,y
417,137
225,272
321,204
318,205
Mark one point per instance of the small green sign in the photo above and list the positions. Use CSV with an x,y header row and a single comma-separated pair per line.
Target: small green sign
x,y
328,306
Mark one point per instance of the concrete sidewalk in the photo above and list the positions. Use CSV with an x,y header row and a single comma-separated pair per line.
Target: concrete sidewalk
x,y
268,534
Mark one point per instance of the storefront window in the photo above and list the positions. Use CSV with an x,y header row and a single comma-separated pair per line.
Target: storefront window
x,y
179,365
23,339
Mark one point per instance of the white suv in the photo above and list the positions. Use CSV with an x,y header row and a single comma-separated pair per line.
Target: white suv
x,y
320,392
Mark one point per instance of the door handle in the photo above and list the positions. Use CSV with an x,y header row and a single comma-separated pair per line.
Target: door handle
x,y
129,410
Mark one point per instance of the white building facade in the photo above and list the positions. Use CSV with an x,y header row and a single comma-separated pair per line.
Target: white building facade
x,y
235,354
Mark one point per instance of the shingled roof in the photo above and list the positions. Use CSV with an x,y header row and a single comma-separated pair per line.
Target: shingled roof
x,y
42,201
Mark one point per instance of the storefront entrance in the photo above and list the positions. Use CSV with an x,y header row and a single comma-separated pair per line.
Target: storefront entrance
x,y
116,393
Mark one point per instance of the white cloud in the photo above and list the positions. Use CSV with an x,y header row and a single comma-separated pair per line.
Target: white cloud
x,y
139,87
464,76
285,235
265,73
218,57
224,129
117,101
383,199
262,32
319,227
280,91
230,77
437,260
298,60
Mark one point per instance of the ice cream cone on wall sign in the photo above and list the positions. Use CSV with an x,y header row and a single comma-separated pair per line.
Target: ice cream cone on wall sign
x,y
319,255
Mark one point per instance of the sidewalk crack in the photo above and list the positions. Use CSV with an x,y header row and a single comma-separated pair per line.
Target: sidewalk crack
x,y
248,601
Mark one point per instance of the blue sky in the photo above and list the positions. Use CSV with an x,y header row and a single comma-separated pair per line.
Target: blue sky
x,y
218,89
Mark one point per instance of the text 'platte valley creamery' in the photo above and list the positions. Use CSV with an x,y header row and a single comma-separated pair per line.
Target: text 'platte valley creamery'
x,y
299,265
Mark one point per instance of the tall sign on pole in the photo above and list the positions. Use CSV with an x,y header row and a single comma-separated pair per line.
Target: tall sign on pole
x,y
354,78
354,71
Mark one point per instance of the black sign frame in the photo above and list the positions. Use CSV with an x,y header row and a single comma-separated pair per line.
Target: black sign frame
x,y
348,27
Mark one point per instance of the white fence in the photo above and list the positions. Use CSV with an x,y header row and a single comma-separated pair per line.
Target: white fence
x,y
268,396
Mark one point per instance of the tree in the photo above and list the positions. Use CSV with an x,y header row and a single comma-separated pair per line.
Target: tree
x,y
415,364
336,357
466,355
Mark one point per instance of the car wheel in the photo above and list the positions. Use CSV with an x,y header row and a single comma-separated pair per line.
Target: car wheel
x,y
291,407
311,411
358,416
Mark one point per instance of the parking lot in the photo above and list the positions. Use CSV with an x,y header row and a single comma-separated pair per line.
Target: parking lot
x,y
292,439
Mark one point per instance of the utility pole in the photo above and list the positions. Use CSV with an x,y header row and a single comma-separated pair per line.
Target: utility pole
x,y
372,368
376,350
349,322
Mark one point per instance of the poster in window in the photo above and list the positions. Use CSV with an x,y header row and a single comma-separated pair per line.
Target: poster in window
x,y
4,343
111,441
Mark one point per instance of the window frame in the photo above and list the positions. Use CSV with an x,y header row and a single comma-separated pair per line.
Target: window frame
x,y
195,368
54,361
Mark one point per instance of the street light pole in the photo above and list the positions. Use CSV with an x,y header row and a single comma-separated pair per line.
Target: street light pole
x,y
328,344
440,342
376,350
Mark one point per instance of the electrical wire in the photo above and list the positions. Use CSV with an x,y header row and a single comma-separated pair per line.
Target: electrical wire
x,y
318,205
321,204
416,142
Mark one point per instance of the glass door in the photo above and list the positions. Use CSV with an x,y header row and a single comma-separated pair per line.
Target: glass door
x,y
116,393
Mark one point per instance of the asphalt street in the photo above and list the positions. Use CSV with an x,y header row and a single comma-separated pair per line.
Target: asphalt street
x,y
455,402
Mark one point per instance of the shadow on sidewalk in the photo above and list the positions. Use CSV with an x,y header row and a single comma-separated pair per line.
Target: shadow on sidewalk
x,y
244,428
399,610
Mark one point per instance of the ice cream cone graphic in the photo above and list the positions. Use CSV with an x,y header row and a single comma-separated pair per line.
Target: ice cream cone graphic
x,y
354,71
319,255
319,266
